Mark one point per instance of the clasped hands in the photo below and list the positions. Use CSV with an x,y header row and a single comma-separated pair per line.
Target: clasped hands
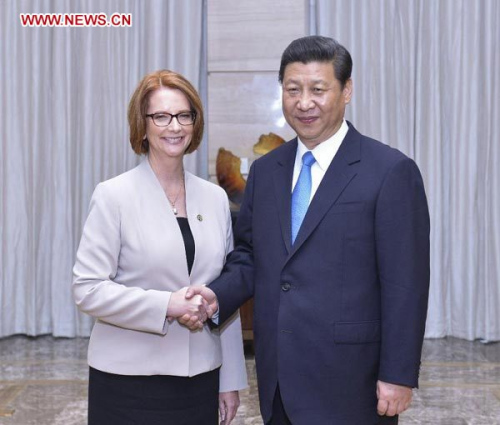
x,y
192,306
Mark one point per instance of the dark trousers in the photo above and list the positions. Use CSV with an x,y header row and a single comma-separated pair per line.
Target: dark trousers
x,y
388,420
279,414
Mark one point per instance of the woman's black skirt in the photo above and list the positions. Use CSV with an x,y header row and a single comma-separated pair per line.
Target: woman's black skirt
x,y
153,400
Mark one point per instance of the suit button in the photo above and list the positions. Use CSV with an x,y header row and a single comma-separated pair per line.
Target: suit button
x,y
285,287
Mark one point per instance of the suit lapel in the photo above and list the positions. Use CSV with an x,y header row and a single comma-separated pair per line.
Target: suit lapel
x,y
282,178
337,177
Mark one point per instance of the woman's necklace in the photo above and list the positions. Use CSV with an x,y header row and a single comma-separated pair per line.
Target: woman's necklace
x,y
172,202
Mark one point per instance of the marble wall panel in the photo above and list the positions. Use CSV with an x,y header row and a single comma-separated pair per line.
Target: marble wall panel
x,y
252,34
243,106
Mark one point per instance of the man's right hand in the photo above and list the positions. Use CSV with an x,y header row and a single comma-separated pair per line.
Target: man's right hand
x,y
193,321
192,306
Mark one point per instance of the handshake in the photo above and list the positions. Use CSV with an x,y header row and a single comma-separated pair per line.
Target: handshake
x,y
192,306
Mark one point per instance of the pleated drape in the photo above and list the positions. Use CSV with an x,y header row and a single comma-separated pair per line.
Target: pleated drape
x,y
427,81
63,128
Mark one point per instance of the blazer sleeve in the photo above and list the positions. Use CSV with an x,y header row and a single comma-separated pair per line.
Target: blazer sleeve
x,y
402,246
94,289
235,284
233,374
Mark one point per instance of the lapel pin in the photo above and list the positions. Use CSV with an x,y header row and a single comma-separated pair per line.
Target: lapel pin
x,y
199,217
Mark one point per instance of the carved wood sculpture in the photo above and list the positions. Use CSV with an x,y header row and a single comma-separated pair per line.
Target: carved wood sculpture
x,y
267,142
227,166
227,169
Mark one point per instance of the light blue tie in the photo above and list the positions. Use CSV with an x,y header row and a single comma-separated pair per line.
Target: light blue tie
x,y
301,194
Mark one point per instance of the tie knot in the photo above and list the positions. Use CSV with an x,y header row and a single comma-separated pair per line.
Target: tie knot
x,y
308,159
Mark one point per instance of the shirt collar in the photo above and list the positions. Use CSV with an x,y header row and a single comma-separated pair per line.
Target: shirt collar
x,y
325,151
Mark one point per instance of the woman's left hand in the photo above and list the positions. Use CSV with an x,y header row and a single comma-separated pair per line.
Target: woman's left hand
x,y
228,405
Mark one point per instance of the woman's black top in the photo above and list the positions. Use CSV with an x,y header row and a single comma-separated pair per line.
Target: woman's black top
x,y
188,241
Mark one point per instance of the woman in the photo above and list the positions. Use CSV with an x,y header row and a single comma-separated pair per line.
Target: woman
x,y
150,232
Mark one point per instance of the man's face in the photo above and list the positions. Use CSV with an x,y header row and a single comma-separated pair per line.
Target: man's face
x,y
313,101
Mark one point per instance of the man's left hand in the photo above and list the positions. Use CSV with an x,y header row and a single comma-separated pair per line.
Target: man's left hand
x,y
392,399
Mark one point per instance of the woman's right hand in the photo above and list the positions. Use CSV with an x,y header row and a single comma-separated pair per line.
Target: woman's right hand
x,y
179,306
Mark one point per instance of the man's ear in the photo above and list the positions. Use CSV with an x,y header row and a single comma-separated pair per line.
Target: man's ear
x,y
347,91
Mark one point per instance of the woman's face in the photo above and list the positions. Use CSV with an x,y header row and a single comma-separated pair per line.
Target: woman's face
x,y
173,140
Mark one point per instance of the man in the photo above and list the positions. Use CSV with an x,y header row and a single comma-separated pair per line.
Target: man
x,y
334,248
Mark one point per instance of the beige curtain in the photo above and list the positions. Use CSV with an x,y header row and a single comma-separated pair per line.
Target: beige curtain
x,y
63,128
427,81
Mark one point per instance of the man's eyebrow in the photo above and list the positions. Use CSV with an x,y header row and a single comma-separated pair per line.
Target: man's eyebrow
x,y
292,81
320,82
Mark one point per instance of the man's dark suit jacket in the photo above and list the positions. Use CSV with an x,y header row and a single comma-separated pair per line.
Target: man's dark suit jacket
x,y
346,305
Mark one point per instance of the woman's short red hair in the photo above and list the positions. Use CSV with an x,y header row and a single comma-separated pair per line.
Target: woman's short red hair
x,y
138,105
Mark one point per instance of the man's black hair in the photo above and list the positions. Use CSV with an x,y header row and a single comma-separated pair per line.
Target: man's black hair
x,y
316,48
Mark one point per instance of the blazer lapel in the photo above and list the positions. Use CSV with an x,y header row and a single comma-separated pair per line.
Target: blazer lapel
x,y
337,177
283,190
162,210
